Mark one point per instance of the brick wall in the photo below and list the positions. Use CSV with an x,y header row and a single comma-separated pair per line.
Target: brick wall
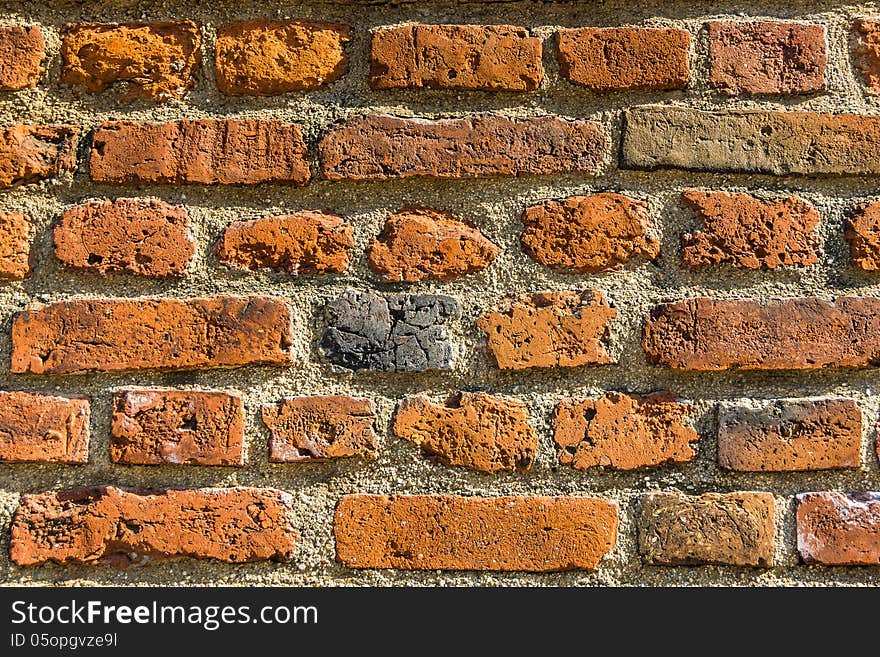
x,y
349,293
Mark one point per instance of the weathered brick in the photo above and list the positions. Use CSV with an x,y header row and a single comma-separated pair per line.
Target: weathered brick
x,y
621,58
379,147
472,430
22,51
154,61
734,529
588,234
549,329
302,243
270,57
43,428
766,57
839,529
867,52
789,435
751,233
321,427
447,532
751,141
623,432
15,245
145,237
183,427
109,525
89,335
393,333
862,230
467,57
788,334
204,151
419,244
31,153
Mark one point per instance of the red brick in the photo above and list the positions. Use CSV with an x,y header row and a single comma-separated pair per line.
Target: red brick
x,y
109,525
379,147
15,245
788,334
183,427
91,335
766,57
43,428
270,57
321,427
862,231
31,153
867,52
204,151
22,52
621,58
623,432
839,529
467,57
446,532
144,237
302,243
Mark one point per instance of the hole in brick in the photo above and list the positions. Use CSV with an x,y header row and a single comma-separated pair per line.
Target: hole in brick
x,y
95,259
189,424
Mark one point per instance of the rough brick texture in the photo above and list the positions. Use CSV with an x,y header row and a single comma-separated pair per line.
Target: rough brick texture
x,y
22,51
378,147
31,153
446,532
419,244
789,435
204,151
588,234
109,525
839,529
751,233
862,230
476,57
549,329
321,427
269,57
302,243
183,427
15,245
144,237
43,428
89,335
473,430
620,431
867,52
790,334
727,529
622,58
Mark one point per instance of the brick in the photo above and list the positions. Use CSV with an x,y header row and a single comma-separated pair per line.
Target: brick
x,y
751,233
839,529
143,237
620,431
862,230
204,151
867,52
766,57
22,52
43,428
419,244
549,329
181,427
393,333
788,334
92,335
302,243
270,57
379,147
789,435
109,525
447,532
622,58
149,61
16,232
751,141
466,57
735,529
31,153
472,430
588,234
321,427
